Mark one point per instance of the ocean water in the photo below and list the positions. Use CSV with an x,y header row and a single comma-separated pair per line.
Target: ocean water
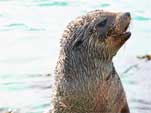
x,y
30,31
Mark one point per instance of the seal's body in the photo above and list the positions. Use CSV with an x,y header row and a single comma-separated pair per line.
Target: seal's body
x,y
86,81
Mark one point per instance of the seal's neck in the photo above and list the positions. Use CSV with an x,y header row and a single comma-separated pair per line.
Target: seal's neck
x,y
84,65
102,69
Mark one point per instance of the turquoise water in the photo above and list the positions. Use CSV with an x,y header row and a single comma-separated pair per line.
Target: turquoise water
x,y
30,32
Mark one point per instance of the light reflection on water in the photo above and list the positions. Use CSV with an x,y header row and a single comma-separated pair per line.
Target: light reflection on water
x,y
29,45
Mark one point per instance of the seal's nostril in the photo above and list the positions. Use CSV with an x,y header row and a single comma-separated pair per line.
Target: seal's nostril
x,y
128,14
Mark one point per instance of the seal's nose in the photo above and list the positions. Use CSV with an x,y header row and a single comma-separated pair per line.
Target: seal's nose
x,y
127,14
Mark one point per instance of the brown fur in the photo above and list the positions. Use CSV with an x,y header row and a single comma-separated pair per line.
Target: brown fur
x,y
86,81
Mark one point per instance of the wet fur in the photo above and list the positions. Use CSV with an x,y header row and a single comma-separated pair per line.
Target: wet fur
x,y
86,81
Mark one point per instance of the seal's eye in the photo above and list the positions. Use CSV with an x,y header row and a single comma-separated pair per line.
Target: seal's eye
x,y
102,23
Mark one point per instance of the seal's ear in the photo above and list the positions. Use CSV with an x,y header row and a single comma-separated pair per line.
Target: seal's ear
x,y
80,35
77,43
79,38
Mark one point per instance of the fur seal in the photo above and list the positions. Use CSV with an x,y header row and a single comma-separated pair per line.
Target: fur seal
x,y
86,80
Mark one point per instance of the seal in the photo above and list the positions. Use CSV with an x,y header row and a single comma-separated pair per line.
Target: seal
x,y
86,80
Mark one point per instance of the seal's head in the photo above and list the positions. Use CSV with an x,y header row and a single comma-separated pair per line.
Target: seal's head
x,y
99,33
111,29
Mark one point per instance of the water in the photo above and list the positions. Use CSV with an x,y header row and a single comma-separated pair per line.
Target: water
x,y
30,31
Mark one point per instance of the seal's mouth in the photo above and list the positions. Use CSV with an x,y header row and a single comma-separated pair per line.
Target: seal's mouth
x,y
123,29
122,25
126,17
126,34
